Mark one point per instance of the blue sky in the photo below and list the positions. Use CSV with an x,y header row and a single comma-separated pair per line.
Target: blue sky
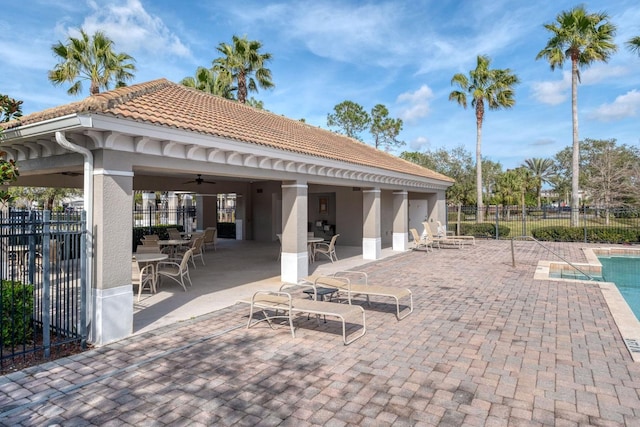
x,y
398,53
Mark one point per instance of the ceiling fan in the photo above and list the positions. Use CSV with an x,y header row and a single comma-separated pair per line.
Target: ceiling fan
x,y
199,180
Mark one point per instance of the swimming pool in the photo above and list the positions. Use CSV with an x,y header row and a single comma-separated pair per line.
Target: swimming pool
x,y
624,271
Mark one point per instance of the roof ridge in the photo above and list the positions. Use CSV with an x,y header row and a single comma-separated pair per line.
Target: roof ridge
x,y
105,100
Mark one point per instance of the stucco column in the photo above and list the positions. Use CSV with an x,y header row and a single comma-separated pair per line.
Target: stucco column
x,y
112,294
400,220
172,208
294,260
371,239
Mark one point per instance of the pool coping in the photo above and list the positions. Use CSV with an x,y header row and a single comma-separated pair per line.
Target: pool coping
x,y
627,323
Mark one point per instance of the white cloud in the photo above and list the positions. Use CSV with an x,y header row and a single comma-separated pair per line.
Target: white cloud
x,y
416,104
626,105
605,73
552,92
132,29
419,144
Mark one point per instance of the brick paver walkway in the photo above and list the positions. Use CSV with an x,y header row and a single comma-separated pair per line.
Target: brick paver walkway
x,y
486,345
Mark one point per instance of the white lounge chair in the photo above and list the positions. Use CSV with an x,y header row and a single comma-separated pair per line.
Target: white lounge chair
x,y
443,232
419,242
355,283
282,305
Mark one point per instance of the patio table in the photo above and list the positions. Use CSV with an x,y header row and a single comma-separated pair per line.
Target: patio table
x,y
311,241
149,258
173,244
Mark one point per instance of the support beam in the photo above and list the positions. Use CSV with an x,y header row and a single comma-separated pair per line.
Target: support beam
x,y
295,258
371,239
112,294
400,220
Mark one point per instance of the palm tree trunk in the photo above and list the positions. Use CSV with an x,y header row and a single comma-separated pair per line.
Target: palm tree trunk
x,y
242,88
479,115
575,160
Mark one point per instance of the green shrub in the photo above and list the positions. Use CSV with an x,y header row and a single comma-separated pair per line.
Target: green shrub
x,y
160,230
16,309
484,229
594,234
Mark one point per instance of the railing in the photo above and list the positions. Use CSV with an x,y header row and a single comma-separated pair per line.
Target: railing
x,y
153,217
513,255
528,222
43,288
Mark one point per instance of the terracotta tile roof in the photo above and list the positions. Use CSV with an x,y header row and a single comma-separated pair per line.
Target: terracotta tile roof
x,y
164,103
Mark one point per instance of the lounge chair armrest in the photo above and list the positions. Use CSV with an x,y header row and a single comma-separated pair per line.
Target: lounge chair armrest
x,y
144,270
301,284
168,263
272,299
360,276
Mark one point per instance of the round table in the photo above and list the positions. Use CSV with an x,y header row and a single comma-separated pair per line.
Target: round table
x,y
146,258
173,243
311,241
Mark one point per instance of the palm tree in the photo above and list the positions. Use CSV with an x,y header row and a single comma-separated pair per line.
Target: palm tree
x,y
582,38
634,44
484,85
90,58
541,171
207,80
241,62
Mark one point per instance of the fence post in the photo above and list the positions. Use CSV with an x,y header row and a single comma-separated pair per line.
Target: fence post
x,y
46,284
584,221
83,280
497,223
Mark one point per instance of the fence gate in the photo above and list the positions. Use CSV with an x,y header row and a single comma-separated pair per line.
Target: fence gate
x,y
43,288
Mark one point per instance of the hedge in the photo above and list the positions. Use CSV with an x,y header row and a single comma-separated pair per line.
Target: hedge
x,y
16,308
594,234
160,230
484,229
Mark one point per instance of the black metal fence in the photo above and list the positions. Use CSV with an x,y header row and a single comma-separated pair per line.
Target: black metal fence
x,y
514,221
43,287
152,217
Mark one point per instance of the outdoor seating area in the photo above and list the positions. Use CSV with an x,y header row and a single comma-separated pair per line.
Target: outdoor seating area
x,y
470,353
282,305
356,283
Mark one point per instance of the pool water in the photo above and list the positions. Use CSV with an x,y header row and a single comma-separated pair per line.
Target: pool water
x,y
624,271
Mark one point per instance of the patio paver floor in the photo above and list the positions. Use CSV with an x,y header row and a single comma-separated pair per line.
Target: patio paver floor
x,y
486,345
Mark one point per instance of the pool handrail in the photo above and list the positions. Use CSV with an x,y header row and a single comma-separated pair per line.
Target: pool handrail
x,y
513,254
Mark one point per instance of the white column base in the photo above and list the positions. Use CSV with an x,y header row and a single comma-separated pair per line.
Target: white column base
x,y
112,317
371,247
400,242
294,266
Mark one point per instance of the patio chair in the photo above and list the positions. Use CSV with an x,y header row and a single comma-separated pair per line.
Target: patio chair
x,y
420,243
327,249
55,259
197,249
210,237
273,303
178,272
150,237
142,277
439,241
279,237
174,234
148,249
442,231
355,283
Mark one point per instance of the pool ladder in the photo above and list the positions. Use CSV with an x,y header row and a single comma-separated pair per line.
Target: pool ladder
x,y
533,239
